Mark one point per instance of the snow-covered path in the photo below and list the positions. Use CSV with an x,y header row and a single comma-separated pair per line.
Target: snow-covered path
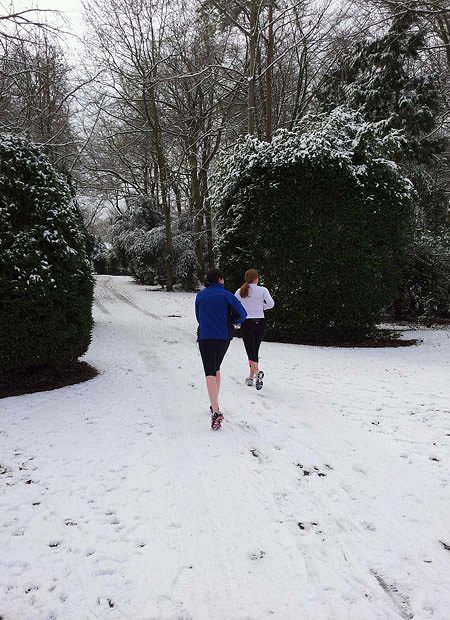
x,y
325,496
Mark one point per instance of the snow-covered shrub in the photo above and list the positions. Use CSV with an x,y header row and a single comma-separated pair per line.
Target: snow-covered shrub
x,y
46,284
324,215
100,257
140,235
185,268
426,290
385,79
106,260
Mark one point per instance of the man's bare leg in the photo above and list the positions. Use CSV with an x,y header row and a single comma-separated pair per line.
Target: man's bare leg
x,y
213,387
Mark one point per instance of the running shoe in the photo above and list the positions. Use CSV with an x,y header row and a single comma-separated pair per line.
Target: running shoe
x,y
259,379
216,420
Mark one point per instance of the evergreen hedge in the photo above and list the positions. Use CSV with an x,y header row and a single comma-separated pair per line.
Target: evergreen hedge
x,y
425,293
324,217
46,284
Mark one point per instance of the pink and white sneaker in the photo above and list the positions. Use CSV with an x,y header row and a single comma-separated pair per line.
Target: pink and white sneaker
x,y
216,421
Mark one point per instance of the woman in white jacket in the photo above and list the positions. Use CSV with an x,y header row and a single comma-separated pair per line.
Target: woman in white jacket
x,y
255,299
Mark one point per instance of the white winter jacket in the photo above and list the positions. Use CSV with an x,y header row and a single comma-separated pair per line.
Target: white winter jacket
x,y
257,301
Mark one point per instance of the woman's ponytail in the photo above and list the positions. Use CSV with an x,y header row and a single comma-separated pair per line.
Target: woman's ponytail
x,y
243,291
250,276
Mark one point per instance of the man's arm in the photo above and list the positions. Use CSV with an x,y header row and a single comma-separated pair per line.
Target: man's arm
x,y
238,310
196,309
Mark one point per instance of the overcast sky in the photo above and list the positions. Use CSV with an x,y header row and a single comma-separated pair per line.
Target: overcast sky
x,y
70,9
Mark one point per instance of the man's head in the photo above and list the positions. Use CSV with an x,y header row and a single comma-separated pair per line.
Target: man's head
x,y
214,276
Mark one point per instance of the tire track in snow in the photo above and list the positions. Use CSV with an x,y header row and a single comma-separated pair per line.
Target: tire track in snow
x,y
400,601
109,286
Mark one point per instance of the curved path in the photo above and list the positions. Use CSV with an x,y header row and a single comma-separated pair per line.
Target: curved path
x,y
324,497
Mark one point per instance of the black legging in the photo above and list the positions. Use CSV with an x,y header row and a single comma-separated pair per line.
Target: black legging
x,y
252,334
212,352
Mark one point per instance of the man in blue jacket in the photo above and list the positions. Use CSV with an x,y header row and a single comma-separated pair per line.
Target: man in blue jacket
x,y
217,310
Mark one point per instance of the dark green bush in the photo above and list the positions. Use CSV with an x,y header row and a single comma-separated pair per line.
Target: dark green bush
x,y
425,293
325,218
46,285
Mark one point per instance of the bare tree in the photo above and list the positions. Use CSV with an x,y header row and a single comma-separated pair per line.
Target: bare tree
x,y
19,25
180,81
36,93
283,47
200,97
127,37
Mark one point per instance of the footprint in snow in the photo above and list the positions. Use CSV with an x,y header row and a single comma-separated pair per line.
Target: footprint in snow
x,y
258,555
238,381
312,525
309,471
105,572
105,602
281,497
246,426
177,526
359,469
369,526
255,453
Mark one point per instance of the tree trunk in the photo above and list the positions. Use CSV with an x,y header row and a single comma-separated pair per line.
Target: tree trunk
x,y
176,191
197,210
443,27
151,111
269,74
167,224
251,109
208,217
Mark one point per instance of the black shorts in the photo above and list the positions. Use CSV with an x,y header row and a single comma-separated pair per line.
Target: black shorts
x,y
212,352
252,331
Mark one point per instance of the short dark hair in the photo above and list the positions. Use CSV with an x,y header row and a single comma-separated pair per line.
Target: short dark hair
x,y
213,276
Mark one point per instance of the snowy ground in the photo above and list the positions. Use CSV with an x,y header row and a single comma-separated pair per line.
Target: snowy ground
x,y
325,496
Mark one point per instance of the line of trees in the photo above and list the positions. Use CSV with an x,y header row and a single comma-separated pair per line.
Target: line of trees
x,y
166,84
180,80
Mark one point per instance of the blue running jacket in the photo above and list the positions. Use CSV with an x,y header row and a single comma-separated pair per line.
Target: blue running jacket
x,y
217,310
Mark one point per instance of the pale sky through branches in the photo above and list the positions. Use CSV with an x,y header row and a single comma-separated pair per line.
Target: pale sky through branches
x,y
71,12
